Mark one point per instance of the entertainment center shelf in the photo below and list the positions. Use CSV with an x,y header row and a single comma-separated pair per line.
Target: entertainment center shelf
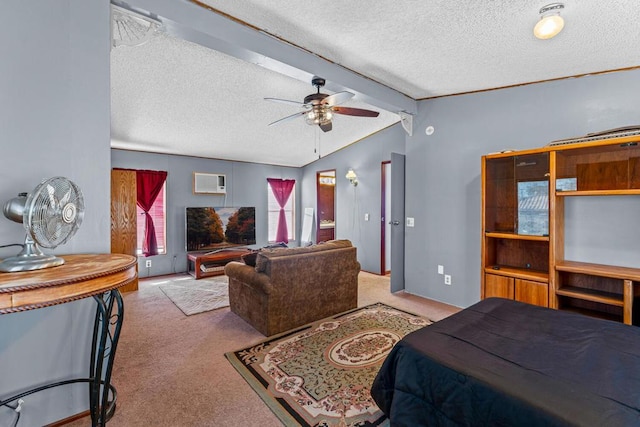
x,y
523,222
518,273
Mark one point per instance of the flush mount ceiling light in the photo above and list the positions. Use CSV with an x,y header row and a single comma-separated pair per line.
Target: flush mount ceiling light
x,y
550,23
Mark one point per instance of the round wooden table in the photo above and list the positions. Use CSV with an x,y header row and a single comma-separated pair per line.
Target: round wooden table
x,y
81,276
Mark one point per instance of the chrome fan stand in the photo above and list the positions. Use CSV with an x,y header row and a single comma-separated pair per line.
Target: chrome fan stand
x,y
29,258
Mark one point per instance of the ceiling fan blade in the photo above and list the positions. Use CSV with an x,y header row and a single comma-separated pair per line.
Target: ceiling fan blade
x,y
355,112
286,101
337,98
284,119
327,127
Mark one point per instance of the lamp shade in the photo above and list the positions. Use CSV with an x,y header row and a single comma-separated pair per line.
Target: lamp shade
x,y
548,27
351,175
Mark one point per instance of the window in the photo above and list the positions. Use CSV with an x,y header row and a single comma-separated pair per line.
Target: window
x,y
158,214
274,213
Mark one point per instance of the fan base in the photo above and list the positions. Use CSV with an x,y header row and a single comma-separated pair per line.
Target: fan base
x,y
29,262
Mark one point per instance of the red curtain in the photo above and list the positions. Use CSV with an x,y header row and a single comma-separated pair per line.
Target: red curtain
x,y
149,184
281,189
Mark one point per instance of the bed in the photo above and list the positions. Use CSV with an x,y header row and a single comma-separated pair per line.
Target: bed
x,y
505,363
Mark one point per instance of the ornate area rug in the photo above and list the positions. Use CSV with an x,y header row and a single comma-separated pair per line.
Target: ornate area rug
x,y
321,374
197,296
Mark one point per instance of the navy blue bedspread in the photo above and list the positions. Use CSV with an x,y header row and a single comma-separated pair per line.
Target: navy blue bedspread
x,y
505,363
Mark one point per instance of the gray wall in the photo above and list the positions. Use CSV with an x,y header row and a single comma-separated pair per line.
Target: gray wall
x,y
54,120
365,157
246,186
443,175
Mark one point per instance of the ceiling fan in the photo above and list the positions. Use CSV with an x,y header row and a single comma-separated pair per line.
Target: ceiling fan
x,y
318,108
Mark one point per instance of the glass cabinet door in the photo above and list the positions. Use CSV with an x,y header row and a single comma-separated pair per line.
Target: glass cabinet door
x,y
517,195
532,190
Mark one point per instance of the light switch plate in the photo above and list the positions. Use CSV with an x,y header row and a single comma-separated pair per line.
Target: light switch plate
x,y
410,222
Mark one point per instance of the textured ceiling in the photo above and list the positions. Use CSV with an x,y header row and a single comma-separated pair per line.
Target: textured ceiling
x,y
175,96
442,47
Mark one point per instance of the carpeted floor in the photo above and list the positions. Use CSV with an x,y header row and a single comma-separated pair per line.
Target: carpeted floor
x,y
170,369
196,296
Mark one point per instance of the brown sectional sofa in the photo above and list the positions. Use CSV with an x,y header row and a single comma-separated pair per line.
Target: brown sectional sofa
x,y
289,287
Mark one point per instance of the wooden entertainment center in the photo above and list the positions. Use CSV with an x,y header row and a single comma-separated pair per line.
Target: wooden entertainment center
x,y
207,264
523,222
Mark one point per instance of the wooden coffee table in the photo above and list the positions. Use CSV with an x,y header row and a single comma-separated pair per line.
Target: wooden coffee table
x,y
207,264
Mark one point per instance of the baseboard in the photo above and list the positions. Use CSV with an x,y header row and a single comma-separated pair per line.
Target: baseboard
x,y
70,419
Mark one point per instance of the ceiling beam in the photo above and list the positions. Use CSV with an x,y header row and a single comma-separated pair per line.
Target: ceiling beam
x,y
192,22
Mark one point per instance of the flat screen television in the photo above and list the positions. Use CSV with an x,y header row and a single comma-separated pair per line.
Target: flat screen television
x,y
213,228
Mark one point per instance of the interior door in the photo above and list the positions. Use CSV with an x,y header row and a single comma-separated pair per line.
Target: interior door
x,y
123,216
397,222
385,210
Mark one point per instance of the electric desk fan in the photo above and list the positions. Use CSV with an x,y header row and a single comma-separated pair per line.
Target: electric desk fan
x,y
51,215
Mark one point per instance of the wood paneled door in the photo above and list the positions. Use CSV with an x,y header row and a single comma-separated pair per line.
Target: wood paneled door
x,y
123,216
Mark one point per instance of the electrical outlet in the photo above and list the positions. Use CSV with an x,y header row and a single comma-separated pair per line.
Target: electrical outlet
x,y
447,279
440,269
148,263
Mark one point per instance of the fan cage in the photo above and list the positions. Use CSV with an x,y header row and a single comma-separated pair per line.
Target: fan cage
x,y
54,212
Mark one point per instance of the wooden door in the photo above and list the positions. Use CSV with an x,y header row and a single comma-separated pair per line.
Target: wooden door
x,y
123,216
536,293
498,286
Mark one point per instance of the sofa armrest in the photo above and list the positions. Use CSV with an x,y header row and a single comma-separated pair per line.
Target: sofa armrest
x,y
249,276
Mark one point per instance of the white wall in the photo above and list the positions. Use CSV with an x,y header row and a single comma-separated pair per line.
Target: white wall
x,y
54,120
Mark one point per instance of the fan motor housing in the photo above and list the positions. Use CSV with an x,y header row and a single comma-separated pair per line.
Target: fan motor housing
x,y
315,98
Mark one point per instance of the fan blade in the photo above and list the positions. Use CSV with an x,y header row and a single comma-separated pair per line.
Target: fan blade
x,y
355,112
284,119
52,199
327,127
65,198
286,101
337,98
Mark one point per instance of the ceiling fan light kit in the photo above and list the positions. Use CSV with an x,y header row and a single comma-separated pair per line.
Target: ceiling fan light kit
x,y
550,23
319,108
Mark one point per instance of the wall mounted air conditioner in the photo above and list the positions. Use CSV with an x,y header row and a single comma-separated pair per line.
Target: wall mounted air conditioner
x,y
209,183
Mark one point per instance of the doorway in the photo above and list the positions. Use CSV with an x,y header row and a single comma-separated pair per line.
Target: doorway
x,y
385,213
326,193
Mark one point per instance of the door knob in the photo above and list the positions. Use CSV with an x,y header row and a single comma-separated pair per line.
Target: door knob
x,y
396,222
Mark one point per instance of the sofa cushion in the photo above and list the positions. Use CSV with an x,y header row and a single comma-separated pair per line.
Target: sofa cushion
x,y
265,255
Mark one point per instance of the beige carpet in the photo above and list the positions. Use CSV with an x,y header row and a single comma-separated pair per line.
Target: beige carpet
x,y
170,369
197,296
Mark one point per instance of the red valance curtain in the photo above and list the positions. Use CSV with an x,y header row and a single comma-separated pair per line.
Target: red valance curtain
x,y
281,189
149,184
